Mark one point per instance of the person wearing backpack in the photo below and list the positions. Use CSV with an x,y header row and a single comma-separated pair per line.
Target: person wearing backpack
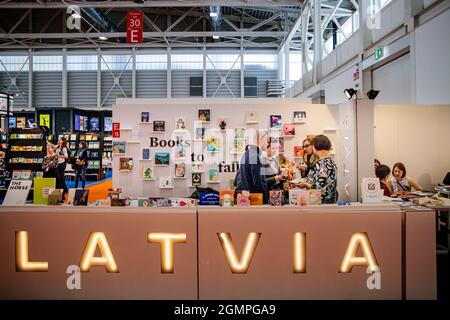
x,y
81,164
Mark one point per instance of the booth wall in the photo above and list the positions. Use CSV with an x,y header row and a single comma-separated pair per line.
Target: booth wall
x,y
321,119
416,135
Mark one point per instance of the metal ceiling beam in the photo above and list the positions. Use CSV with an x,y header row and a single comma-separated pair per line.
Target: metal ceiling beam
x,y
143,45
262,23
73,35
292,31
148,4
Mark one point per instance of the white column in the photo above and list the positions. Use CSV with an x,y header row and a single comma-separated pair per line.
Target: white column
x,y
133,73
99,79
169,73
286,64
30,78
242,73
317,41
64,78
204,71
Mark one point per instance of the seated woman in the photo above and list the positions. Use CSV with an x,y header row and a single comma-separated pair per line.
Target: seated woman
x,y
382,172
401,184
323,173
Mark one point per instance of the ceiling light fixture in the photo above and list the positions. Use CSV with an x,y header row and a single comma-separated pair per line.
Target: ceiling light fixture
x,y
103,38
349,93
213,14
372,94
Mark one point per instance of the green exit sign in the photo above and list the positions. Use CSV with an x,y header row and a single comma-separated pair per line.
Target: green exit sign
x,y
378,53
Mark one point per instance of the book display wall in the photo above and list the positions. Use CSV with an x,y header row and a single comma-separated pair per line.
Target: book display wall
x,y
26,152
94,152
3,151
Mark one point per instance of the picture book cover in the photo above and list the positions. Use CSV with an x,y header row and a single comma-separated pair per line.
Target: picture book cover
x,y
165,182
289,129
298,151
277,145
226,198
239,133
293,196
243,199
159,126
179,152
81,197
180,170
148,173
119,147
204,115
315,197
162,158
276,122
213,144
55,197
276,197
146,154
41,189
238,147
197,167
196,179
180,123
256,199
299,116
71,196
145,116
251,117
199,133
21,122
212,175
126,164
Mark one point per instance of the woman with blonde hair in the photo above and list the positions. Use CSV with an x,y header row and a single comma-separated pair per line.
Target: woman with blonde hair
x,y
309,158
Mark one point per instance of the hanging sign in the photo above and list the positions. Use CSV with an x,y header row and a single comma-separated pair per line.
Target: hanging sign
x,y
116,129
134,27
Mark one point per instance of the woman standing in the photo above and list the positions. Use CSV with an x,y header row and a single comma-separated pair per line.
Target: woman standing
x,y
63,155
309,158
322,175
402,184
81,164
271,169
50,164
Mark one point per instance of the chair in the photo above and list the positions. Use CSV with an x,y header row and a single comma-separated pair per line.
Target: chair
x,y
69,173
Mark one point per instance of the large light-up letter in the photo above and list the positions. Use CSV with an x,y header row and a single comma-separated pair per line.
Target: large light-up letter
x,y
299,252
167,241
239,265
22,259
98,239
359,239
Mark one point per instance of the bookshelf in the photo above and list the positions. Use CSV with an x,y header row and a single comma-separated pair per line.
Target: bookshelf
x,y
26,151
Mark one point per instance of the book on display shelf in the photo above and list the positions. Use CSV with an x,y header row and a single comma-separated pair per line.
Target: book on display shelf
x,y
26,150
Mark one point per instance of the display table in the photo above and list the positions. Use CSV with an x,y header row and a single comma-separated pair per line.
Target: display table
x,y
403,242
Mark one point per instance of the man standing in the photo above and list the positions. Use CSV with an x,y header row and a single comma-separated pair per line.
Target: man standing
x,y
250,169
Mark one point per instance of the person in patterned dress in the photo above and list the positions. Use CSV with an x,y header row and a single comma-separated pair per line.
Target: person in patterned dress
x,y
323,174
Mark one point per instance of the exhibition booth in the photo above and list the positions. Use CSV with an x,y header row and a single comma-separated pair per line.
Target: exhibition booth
x,y
172,225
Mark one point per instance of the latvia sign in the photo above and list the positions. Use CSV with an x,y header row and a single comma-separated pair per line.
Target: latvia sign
x,y
134,27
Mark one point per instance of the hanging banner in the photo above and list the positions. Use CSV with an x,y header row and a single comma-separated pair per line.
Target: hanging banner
x,y
134,27
116,129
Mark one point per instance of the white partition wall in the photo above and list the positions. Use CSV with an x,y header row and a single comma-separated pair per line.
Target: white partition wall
x,y
321,119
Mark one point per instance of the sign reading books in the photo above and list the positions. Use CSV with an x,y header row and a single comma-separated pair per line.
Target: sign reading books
x,y
134,27
17,192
